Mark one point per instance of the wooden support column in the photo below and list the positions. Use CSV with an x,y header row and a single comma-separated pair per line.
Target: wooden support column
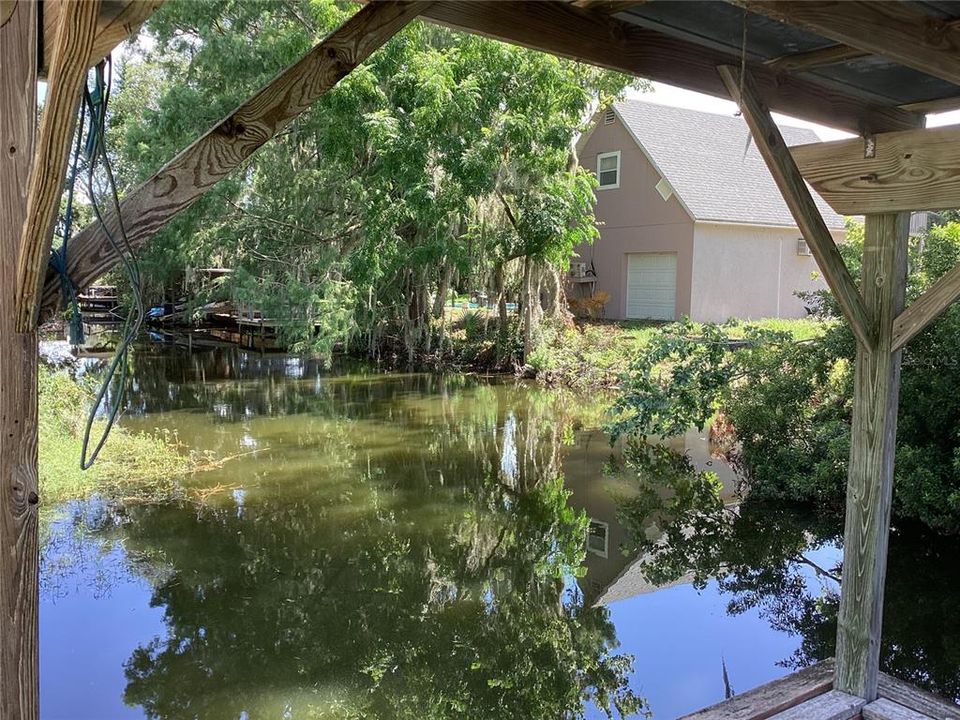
x,y
18,377
872,446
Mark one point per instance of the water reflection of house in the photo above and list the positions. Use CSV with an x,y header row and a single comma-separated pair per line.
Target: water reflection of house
x,y
611,574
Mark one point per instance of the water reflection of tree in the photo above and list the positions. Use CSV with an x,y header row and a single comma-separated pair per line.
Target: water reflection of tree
x,y
763,556
431,580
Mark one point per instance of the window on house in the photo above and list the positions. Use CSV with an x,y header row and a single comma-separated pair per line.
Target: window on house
x,y
608,169
598,537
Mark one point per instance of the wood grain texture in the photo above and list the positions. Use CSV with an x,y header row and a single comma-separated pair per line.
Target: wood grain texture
x,y
870,474
895,30
787,177
68,69
939,105
568,31
917,699
907,170
815,58
118,20
926,308
883,709
223,148
833,705
18,381
772,698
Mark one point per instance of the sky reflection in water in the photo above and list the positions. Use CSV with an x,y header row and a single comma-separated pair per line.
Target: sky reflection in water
x,y
393,548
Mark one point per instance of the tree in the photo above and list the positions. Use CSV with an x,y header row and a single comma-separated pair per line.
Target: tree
x,y
444,162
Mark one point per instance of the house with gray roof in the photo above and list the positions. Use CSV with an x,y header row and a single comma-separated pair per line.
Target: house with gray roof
x,y
691,222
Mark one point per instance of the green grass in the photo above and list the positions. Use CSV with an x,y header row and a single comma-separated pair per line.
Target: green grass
x,y
131,464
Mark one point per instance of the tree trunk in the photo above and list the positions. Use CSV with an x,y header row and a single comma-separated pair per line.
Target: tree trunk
x,y
19,558
528,300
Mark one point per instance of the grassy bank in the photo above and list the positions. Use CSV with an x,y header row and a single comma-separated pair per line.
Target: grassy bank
x,y
131,464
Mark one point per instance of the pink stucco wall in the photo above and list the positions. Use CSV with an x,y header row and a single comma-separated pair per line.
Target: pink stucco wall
x,y
724,270
750,272
635,219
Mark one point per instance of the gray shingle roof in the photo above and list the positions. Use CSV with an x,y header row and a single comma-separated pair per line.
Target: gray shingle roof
x,y
707,160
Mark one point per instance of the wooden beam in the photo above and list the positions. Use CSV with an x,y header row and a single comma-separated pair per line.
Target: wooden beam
x,y
870,474
568,31
920,700
68,70
607,7
118,20
926,308
934,106
234,139
895,30
19,554
773,697
811,59
785,174
889,172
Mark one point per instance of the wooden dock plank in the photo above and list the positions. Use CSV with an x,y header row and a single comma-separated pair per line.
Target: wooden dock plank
x,y
884,709
833,705
916,699
767,700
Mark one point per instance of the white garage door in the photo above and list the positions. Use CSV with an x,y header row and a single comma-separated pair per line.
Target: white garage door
x,y
652,286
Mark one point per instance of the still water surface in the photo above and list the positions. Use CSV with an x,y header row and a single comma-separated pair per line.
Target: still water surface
x,y
411,546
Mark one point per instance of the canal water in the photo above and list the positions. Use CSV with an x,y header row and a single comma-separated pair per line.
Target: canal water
x,y
372,545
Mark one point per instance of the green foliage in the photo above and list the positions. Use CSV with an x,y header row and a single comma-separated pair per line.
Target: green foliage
x,y
444,161
674,383
790,403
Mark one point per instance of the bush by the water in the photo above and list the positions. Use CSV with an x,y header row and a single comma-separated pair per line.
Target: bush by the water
x,y
130,464
789,402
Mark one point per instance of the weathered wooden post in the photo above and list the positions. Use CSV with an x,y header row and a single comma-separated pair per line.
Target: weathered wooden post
x,y
18,375
872,446
871,311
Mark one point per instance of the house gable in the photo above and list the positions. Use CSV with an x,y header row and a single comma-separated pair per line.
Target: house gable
x,y
636,201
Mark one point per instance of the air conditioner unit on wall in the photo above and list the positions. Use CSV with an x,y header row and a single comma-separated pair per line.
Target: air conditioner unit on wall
x,y
578,269
803,248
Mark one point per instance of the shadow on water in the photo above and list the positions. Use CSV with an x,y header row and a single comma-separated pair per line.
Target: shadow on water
x,y
412,546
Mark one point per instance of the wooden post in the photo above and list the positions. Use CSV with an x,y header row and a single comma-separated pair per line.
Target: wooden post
x,y
19,697
872,446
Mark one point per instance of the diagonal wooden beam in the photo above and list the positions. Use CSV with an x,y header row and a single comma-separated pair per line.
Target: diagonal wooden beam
x,y
178,184
926,308
896,30
118,20
784,170
68,69
889,172
568,31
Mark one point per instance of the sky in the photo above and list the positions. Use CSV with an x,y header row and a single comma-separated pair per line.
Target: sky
x,y
670,95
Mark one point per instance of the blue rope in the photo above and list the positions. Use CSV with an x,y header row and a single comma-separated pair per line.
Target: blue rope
x,y
113,386
58,259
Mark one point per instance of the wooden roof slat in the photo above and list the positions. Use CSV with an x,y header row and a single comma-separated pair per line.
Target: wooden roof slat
x,y
568,31
895,30
815,58
607,7
119,19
